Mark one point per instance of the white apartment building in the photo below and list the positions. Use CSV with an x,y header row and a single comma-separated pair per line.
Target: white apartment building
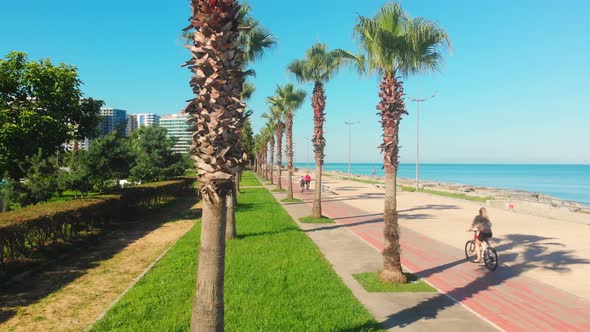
x,y
177,126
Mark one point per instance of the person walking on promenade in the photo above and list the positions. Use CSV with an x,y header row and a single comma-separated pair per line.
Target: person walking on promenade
x,y
482,224
302,183
307,181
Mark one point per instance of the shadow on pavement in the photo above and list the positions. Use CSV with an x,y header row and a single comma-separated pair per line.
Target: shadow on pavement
x,y
536,255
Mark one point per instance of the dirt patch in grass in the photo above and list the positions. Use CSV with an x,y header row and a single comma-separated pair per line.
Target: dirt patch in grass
x,y
72,294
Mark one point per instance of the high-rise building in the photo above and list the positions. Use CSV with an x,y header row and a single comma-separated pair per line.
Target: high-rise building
x,y
177,126
131,125
112,119
135,121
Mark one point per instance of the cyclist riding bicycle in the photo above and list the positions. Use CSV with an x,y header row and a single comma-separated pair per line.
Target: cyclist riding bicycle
x,y
302,183
483,226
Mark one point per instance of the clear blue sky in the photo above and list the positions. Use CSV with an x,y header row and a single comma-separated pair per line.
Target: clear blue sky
x,y
515,89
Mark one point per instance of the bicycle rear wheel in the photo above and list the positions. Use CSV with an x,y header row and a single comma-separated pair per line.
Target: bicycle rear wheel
x,y
490,258
470,250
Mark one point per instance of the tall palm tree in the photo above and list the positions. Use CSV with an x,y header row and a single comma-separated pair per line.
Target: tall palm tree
x,y
254,41
216,147
318,67
267,134
396,45
289,99
276,117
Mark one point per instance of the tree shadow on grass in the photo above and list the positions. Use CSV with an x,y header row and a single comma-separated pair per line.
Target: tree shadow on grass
x,y
59,269
257,234
537,254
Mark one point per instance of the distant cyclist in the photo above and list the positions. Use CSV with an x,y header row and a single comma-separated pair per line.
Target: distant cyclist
x,y
302,183
307,181
483,226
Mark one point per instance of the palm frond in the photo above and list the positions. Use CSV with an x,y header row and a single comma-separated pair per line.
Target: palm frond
x,y
394,42
320,65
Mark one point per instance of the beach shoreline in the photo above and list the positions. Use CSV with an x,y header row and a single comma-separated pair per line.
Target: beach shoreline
x,y
510,199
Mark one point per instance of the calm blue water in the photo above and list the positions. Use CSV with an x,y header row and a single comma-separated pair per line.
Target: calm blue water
x,y
569,182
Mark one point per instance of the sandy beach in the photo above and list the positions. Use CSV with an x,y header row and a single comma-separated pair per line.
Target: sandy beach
x,y
552,250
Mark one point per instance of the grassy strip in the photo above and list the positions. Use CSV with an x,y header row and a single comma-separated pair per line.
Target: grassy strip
x,y
279,190
248,179
448,194
291,200
361,180
276,280
371,282
312,220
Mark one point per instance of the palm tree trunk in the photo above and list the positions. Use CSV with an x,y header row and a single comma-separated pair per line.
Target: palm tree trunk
x,y
208,307
216,111
318,103
289,134
230,230
279,153
272,158
392,108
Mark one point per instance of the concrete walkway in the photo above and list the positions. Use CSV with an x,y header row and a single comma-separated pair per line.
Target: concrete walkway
x,y
507,297
350,255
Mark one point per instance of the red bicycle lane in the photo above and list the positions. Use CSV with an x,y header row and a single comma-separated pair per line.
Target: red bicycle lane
x,y
504,297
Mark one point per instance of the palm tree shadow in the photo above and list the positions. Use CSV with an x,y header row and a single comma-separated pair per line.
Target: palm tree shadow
x,y
534,256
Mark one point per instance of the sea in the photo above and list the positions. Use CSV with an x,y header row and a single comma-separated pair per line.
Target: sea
x,y
566,182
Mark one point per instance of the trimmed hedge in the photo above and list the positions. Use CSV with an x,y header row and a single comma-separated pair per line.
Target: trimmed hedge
x,y
25,231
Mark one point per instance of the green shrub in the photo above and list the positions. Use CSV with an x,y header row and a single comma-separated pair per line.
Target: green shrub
x,y
24,231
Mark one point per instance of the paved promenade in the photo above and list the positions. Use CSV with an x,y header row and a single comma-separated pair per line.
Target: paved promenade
x,y
515,297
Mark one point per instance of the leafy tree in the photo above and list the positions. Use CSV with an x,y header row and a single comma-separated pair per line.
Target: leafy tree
x,y
154,158
108,159
41,107
38,186
396,44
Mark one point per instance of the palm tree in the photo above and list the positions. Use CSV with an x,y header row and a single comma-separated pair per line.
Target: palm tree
x,y
396,45
271,127
276,117
216,147
290,100
319,66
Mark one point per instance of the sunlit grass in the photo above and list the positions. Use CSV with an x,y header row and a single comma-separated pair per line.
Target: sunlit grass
x,y
276,280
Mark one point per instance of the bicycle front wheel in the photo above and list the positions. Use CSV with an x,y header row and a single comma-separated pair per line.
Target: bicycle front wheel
x,y
490,258
469,249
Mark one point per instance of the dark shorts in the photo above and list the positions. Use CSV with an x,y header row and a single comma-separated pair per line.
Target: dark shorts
x,y
484,235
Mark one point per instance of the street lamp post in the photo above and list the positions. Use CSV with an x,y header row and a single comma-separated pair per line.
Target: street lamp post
x,y
419,101
350,123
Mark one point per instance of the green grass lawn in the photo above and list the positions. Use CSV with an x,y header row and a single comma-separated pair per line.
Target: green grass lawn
x,y
371,282
291,200
312,220
448,194
248,179
276,280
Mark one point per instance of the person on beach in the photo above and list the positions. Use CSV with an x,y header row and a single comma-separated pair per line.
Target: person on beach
x,y
302,183
307,181
482,224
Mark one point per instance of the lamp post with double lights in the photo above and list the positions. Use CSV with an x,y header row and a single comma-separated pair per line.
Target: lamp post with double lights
x,y
419,101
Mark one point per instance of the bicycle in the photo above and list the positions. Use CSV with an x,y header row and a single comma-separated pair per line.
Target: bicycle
x,y
490,257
